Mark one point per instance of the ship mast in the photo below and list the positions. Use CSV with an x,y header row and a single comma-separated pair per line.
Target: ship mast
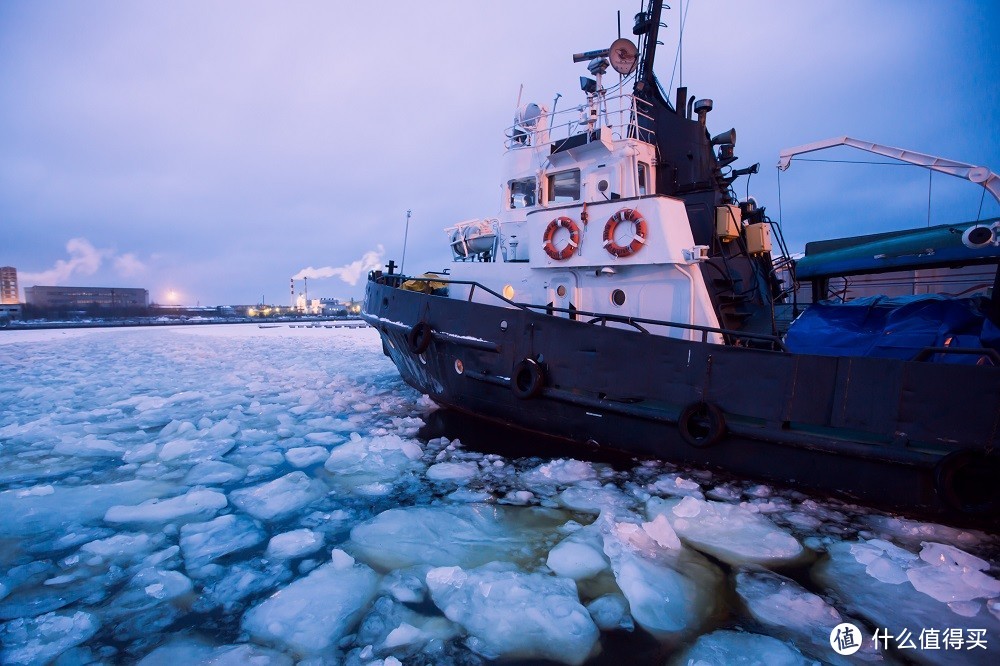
x,y
648,23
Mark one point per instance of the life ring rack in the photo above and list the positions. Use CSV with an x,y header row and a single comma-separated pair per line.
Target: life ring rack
x,y
638,241
549,237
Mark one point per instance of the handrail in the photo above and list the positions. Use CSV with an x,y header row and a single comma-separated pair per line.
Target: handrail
x,y
927,352
634,120
630,321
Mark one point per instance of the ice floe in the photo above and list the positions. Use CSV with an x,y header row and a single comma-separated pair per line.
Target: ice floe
x,y
727,531
192,505
289,509
463,535
279,498
313,613
371,466
37,641
510,614
725,647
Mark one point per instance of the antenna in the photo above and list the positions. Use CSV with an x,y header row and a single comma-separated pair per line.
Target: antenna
x,y
407,232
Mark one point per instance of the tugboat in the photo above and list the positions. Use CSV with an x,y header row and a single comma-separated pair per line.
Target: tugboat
x,y
625,297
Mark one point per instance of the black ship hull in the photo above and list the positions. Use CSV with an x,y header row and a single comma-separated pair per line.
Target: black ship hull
x,y
916,436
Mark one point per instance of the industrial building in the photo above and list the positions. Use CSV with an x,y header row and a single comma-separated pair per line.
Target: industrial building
x,y
112,298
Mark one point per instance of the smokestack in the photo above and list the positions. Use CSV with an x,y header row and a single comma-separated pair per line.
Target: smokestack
x,y
305,292
293,293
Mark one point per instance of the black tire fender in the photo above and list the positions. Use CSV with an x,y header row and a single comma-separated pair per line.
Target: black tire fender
x,y
702,424
528,379
968,482
419,338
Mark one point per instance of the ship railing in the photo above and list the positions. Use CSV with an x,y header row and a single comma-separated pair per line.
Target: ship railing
x,y
744,338
624,115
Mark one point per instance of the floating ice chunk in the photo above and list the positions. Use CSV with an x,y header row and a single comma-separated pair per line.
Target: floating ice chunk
x,y
669,590
458,472
953,583
341,560
31,515
913,533
902,605
140,454
939,553
610,612
213,472
662,533
560,472
371,466
463,535
279,498
406,585
328,438
89,447
240,582
306,455
518,497
202,543
472,497
736,647
294,544
675,484
186,651
580,555
162,585
792,613
594,500
514,615
389,626
196,449
190,506
122,547
313,613
40,640
731,533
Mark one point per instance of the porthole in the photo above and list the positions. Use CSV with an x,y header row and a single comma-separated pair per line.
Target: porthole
x,y
508,292
459,367
561,291
618,297
503,325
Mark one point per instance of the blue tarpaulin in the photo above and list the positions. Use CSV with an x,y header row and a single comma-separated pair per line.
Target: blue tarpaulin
x,y
897,327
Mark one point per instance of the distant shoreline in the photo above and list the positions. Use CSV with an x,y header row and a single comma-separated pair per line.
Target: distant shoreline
x,y
151,321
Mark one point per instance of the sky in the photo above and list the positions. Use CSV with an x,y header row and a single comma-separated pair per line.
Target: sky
x,y
210,151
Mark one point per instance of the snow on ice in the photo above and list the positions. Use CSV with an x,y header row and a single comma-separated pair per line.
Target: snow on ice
x,y
229,495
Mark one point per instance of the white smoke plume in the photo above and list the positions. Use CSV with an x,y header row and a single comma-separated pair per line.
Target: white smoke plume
x,y
84,259
349,273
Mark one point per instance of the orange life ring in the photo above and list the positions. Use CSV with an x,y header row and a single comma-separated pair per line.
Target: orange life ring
x,y
550,234
638,239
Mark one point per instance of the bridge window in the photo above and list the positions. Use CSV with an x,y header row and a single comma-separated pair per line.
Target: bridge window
x,y
522,192
564,186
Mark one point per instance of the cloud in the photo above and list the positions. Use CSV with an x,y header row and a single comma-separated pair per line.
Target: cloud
x,y
349,273
84,259
128,265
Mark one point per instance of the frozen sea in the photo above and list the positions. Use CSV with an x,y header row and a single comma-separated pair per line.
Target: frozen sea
x,y
237,495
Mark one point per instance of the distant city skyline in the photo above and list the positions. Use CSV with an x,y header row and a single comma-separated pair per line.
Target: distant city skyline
x,y
209,152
